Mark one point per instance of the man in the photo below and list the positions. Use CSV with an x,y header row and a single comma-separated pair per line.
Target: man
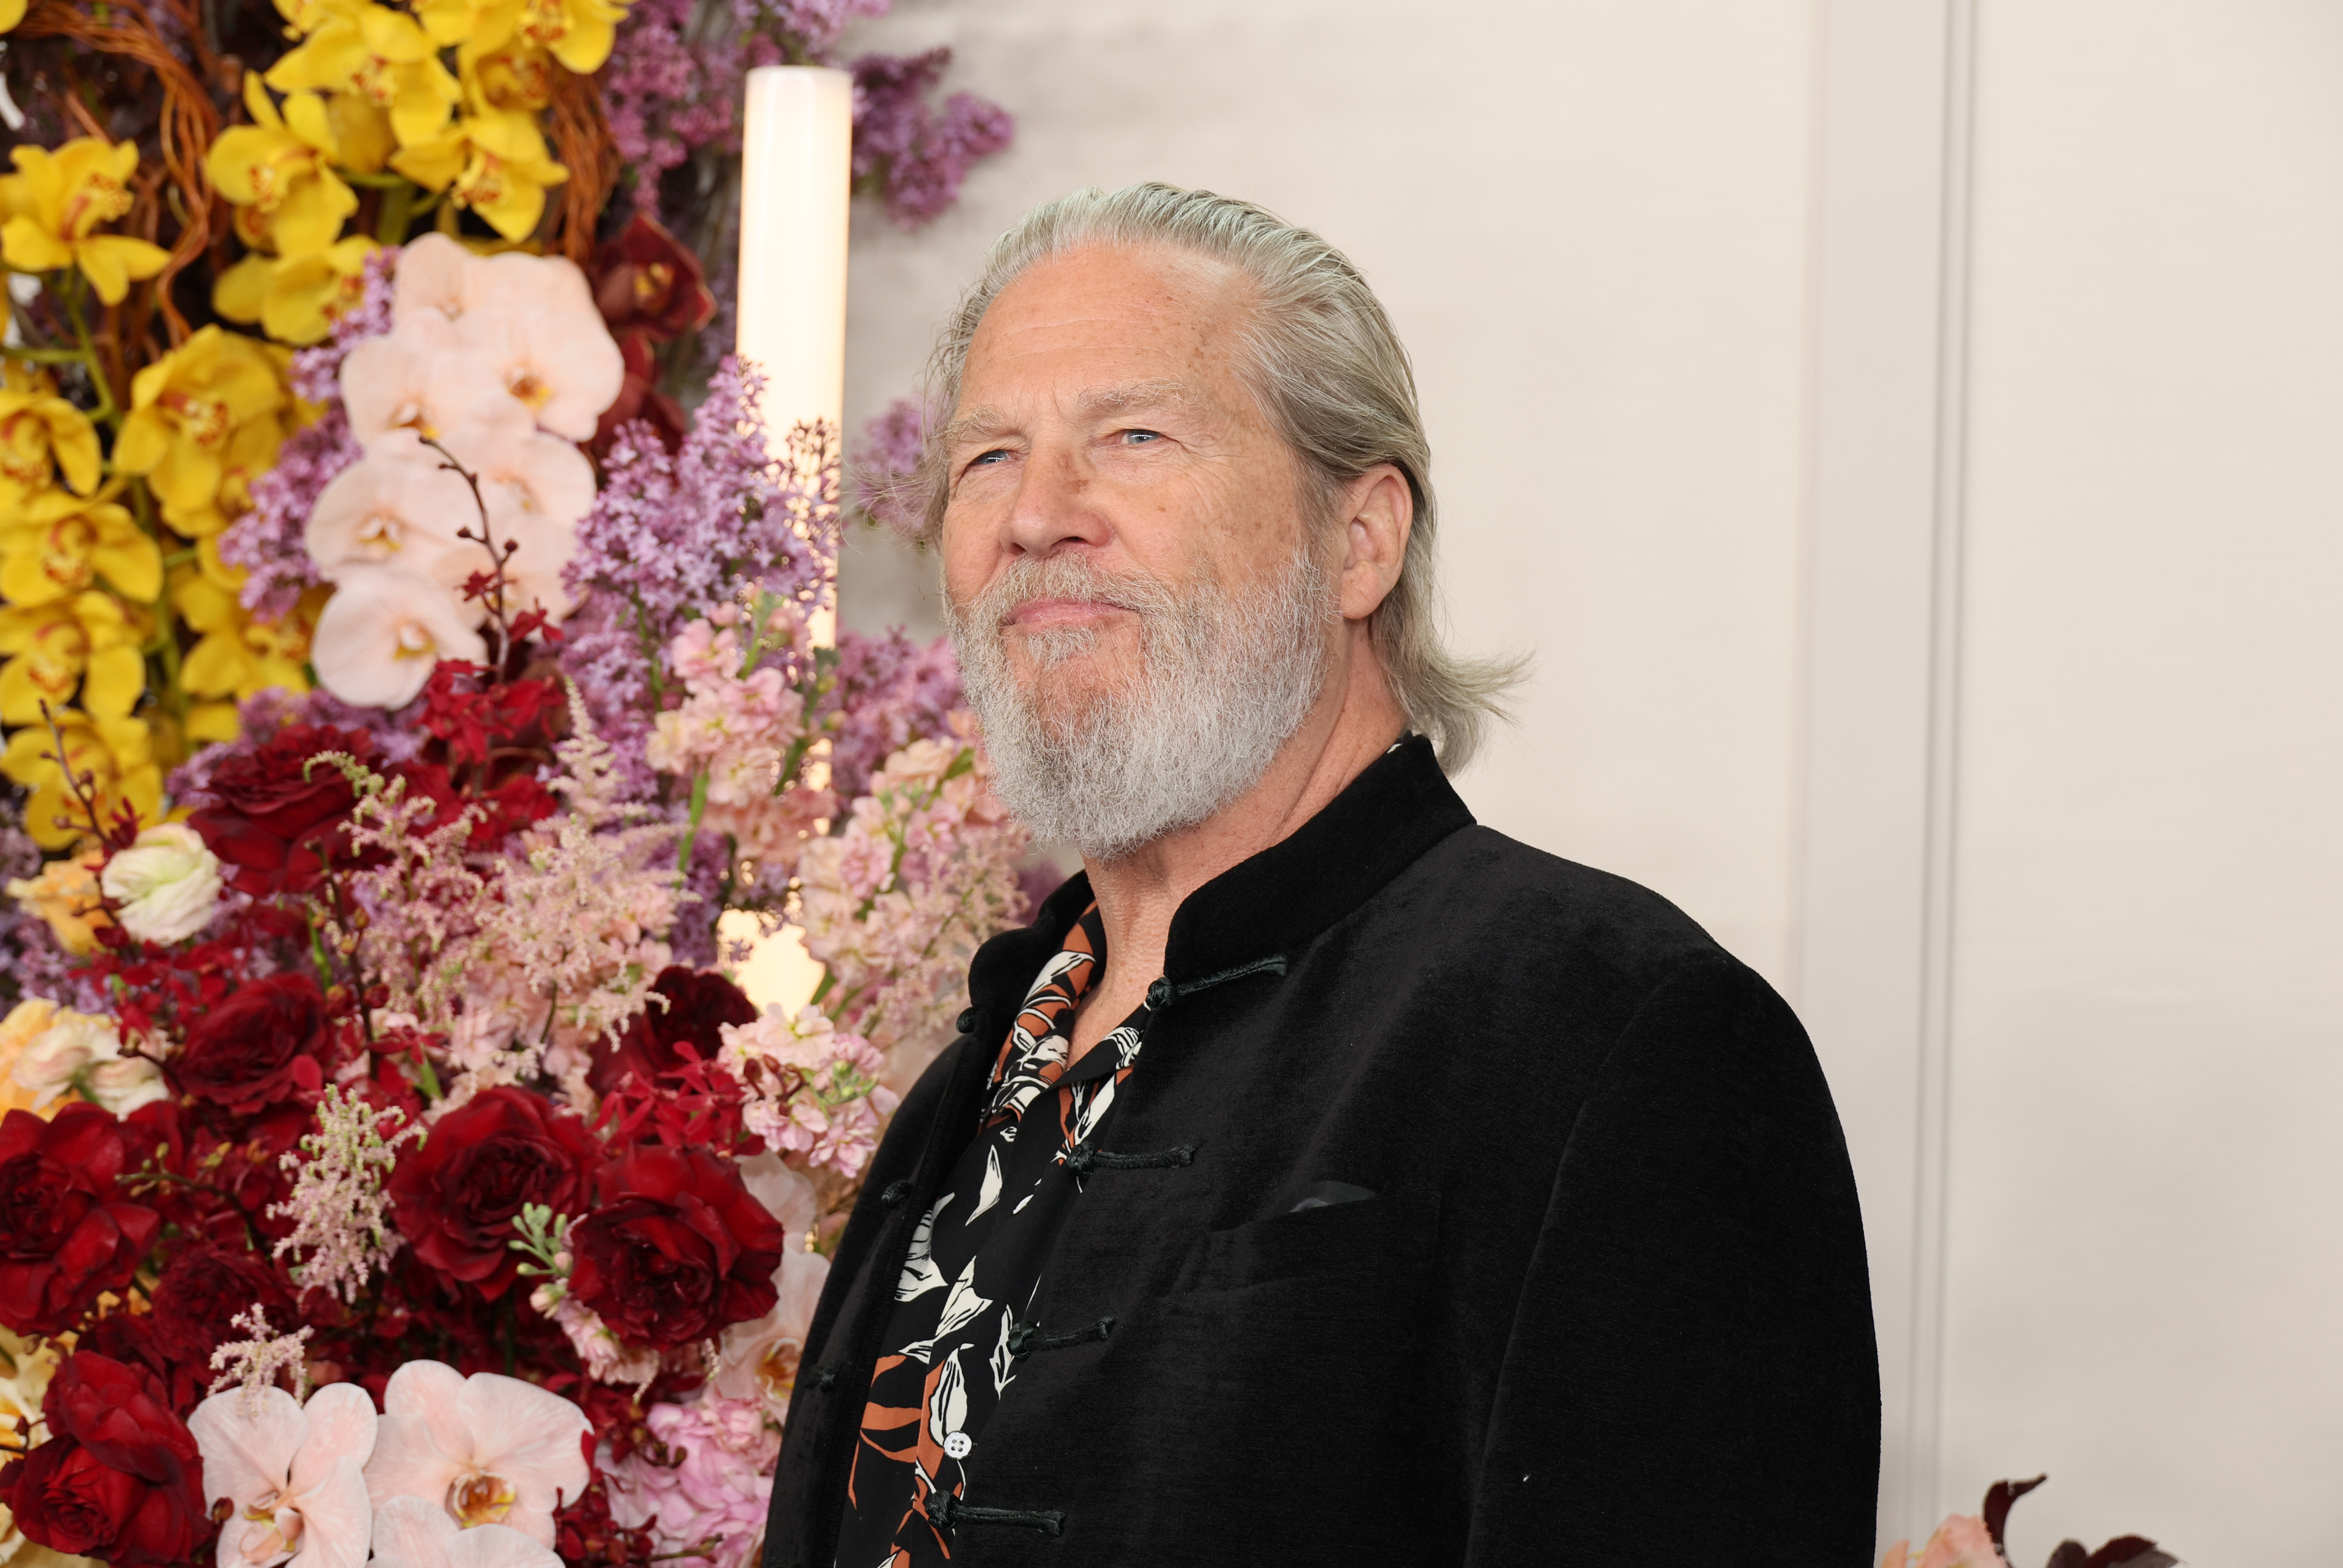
x,y
1321,1178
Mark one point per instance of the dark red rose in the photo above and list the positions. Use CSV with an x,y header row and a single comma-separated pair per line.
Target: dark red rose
x,y
65,1233
259,1047
647,281
273,813
201,1292
455,1196
677,1249
119,1477
698,1008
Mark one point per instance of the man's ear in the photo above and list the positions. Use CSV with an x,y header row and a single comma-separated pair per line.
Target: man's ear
x,y
1378,511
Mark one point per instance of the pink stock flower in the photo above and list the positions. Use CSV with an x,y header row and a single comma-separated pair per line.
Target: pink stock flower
x,y
708,1477
486,1450
294,1475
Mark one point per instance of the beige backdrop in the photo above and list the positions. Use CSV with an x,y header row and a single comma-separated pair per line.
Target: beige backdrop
x,y
1593,222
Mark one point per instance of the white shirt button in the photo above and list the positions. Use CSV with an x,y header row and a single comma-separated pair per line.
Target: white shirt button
x,y
958,1444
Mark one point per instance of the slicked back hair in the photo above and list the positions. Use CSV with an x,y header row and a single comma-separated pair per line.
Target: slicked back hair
x,y
1324,361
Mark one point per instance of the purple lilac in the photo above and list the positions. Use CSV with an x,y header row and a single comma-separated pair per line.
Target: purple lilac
x,y
887,462
268,541
891,692
919,157
670,536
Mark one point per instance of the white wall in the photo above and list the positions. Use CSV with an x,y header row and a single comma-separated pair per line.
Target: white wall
x,y
1600,228
2144,1237
1588,221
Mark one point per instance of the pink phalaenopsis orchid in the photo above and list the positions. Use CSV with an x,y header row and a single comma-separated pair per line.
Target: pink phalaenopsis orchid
x,y
409,1532
294,1475
1962,1541
484,1450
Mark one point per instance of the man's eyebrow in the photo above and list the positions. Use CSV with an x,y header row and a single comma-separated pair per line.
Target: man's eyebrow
x,y
984,423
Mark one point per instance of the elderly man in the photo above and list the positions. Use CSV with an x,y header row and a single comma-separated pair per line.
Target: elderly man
x,y
1321,1178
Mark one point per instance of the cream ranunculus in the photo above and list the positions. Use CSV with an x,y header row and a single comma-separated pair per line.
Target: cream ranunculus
x,y
168,884
388,508
385,627
80,1050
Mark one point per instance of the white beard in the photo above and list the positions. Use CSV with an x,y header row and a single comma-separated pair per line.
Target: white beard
x,y
1224,684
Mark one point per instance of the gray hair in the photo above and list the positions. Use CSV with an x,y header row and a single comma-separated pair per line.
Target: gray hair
x,y
1325,365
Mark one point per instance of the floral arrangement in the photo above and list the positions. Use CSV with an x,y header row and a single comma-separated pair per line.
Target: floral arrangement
x,y
415,701
1976,1540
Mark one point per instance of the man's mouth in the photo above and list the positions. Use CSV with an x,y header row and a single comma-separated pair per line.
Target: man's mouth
x,y
1054,614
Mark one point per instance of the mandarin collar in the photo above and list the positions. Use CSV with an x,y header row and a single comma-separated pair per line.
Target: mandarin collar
x,y
1275,903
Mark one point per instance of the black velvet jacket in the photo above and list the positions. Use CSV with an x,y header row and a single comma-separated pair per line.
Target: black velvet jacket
x,y
1605,1305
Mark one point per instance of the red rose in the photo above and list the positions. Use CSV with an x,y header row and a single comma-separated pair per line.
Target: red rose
x,y
258,1047
679,1249
273,813
201,1292
65,1235
697,1007
119,1477
457,1195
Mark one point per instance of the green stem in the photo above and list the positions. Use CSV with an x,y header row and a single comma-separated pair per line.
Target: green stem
x,y
397,212
698,810
106,413
43,355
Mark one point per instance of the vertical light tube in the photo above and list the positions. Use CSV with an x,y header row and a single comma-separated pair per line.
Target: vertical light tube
x,y
796,171
796,166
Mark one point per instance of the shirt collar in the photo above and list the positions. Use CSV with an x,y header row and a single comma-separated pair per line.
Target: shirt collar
x,y
1276,902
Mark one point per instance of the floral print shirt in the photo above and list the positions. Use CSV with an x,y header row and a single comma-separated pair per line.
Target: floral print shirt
x,y
976,1258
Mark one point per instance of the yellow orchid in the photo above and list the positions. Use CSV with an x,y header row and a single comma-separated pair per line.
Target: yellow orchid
x,y
497,164
362,133
577,32
56,200
382,55
447,21
515,78
66,894
58,545
277,172
38,431
236,656
87,641
204,420
295,299
118,755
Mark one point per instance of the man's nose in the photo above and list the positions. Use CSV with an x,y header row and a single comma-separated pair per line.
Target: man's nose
x,y
1056,506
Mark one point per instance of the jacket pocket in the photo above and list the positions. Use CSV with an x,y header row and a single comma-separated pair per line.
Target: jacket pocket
x,y
1388,1234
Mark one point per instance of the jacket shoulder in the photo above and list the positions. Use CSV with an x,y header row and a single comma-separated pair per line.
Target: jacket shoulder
x,y
1484,886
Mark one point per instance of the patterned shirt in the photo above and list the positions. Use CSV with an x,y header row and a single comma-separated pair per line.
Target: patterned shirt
x,y
975,1263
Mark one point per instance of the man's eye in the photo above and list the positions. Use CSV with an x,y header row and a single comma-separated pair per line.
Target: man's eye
x,y
983,459
1140,438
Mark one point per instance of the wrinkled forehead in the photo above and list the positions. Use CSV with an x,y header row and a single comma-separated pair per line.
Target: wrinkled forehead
x,y
1106,329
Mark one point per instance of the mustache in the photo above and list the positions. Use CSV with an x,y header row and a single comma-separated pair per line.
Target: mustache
x,y
1068,576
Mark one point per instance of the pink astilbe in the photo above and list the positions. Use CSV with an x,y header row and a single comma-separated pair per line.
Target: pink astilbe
x,y
339,1209
255,1365
702,1484
896,903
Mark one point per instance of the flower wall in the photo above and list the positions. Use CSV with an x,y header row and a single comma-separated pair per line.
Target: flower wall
x,y
406,658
